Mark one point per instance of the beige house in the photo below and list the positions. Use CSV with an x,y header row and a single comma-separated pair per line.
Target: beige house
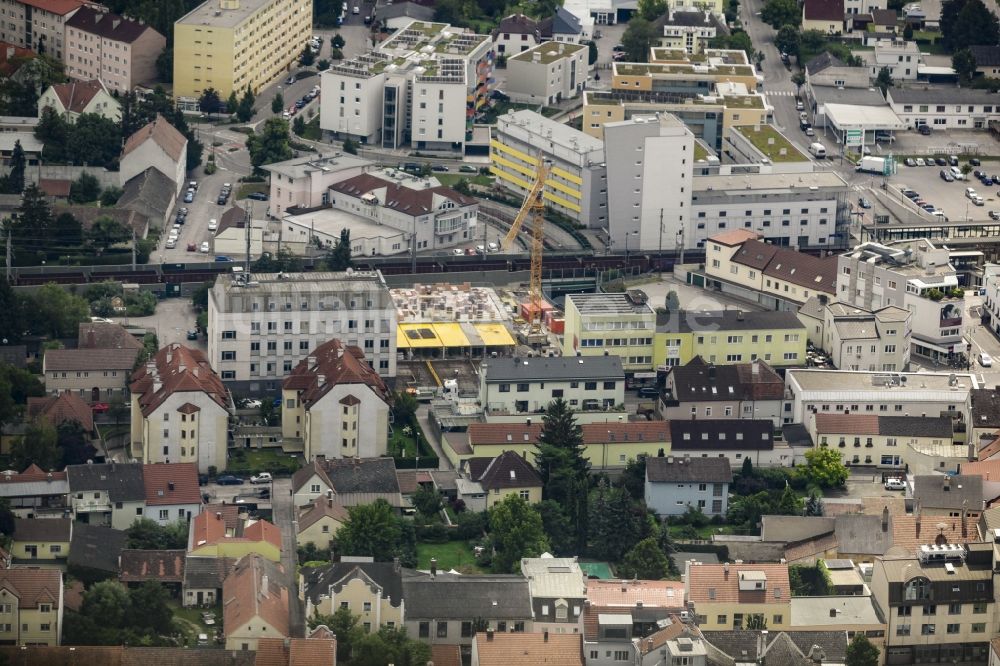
x,y
727,596
304,182
254,603
157,145
95,375
319,522
41,542
352,481
335,405
110,494
487,481
886,442
372,590
117,50
231,236
39,25
826,16
547,74
71,99
31,606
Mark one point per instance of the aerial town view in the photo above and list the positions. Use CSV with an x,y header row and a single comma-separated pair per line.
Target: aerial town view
x,y
499,332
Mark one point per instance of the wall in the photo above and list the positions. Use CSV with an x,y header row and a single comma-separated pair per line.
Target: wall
x,y
673,499
175,512
712,612
352,106
44,550
314,534
149,154
356,593
322,425
210,425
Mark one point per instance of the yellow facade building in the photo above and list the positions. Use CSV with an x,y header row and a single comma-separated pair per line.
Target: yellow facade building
x,y
319,522
209,537
40,541
729,336
232,44
734,596
31,606
370,590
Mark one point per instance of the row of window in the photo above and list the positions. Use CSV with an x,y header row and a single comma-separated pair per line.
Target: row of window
x,y
931,629
272,327
767,211
85,373
271,368
869,408
524,387
467,629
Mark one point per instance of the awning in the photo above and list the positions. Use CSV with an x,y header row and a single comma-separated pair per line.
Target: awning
x,y
869,118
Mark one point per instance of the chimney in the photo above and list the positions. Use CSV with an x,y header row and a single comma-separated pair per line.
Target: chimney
x,y
321,380
115,23
711,372
725,570
739,314
545,636
946,482
489,634
395,565
434,567
263,585
885,518
833,612
329,502
329,494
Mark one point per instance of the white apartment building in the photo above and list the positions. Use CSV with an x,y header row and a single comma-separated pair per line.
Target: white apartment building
x,y
649,197
422,87
304,182
261,325
900,57
577,182
689,31
915,275
547,73
863,6
944,107
39,25
991,305
859,339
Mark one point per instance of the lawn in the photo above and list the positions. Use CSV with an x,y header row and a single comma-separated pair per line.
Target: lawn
x,y
247,188
313,132
402,445
190,623
251,461
450,555
451,179
771,143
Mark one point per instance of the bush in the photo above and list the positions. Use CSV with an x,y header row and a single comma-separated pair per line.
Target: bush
x,y
210,168
436,533
470,525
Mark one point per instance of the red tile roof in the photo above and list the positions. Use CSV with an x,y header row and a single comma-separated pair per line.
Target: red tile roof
x,y
60,7
710,583
32,586
989,470
230,514
165,566
991,448
12,57
909,534
337,364
734,237
262,530
847,424
296,652
449,655
76,95
254,591
207,527
593,433
32,473
176,368
626,593
823,10
102,335
163,134
61,409
414,202
520,648
171,483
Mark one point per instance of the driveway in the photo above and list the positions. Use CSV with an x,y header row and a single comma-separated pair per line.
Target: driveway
x,y
283,515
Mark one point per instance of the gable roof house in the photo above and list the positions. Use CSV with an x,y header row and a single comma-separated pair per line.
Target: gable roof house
x,y
93,373
149,193
375,586
562,26
118,50
35,492
172,492
60,409
827,16
111,494
490,648
336,404
558,590
738,391
36,599
319,522
96,548
69,100
953,496
41,542
516,33
720,591
620,612
180,410
203,578
489,480
157,145
674,483
254,603
163,566
352,481
210,537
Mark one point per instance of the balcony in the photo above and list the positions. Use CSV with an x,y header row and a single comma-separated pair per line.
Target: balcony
x,y
91,505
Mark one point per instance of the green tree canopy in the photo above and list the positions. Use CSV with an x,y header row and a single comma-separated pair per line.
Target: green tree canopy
x,y
652,9
244,110
209,102
338,258
107,231
38,446
277,103
614,526
637,39
778,13
55,312
861,652
884,79
824,468
563,468
646,560
146,534
94,140
788,39
13,182
966,23
516,532
84,189
964,64
372,530
269,145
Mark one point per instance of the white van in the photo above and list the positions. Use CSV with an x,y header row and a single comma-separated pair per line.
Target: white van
x,y
817,150
957,173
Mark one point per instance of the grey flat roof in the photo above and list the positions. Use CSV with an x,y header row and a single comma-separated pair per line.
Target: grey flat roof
x,y
555,369
300,166
856,96
812,611
942,95
539,125
205,13
841,380
768,181
608,304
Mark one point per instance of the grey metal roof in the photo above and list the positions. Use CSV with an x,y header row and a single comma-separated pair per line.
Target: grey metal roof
x,y
202,573
861,534
985,408
122,481
371,475
856,330
34,488
916,426
734,434
562,22
562,368
676,469
96,547
812,308
718,321
949,492
942,95
986,56
449,596
743,646
796,434
149,190
407,9
554,577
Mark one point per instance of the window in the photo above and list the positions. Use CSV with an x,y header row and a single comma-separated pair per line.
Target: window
x,y
522,388
367,607
721,619
777,619
505,388
425,630
954,609
466,630
927,629
979,627
902,630
442,630
609,386
952,628
979,608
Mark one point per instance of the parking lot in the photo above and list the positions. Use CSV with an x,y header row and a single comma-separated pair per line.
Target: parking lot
x,y
948,197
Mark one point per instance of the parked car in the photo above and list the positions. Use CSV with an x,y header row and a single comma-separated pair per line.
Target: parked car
x,y
439,167
213,224
925,130
920,162
204,247
263,477
465,168
258,196
492,247
946,176
648,392
975,161
799,106
618,48
864,203
895,484
189,196
192,247
458,252
171,243
290,80
910,162
940,161
985,360
229,480
953,160
994,215
810,131
192,335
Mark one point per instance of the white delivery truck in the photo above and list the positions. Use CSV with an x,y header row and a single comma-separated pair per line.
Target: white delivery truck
x,y
871,165
817,150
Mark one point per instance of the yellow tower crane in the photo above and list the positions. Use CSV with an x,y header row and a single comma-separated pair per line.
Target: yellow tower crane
x,y
535,205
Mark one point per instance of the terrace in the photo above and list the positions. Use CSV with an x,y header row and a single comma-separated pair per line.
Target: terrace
x,y
772,144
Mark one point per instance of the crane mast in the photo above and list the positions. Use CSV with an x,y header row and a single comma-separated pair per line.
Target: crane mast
x,y
533,205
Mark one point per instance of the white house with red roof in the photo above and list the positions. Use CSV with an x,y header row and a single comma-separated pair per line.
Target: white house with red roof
x,y
180,410
172,492
158,145
335,405
71,99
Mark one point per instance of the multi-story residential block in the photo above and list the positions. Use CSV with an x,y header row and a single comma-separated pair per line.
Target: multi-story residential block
x,y
158,145
335,405
349,481
593,386
622,324
944,107
117,50
607,444
732,440
547,74
740,262
41,542
740,391
915,275
32,601
180,410
889,394
372,590
450,609
674,484
514,34
900,57
69,100
689,30
732,596
623,614
576,185
235,45
261,325
423,87
110,494
172,492
712,67
859,339
304,182
39,25
430,215
210,536
558,589
488,481
724,337
938,605
886,442
254,603
649,198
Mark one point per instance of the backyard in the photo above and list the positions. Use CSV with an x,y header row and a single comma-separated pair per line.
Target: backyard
x,y
451,179
449,555
252,461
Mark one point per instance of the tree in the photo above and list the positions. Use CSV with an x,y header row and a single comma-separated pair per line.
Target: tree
x,y
269,145
809,580
799,79
66,231
389,645
7,518
516,532
149,611
561,533
307,57
84,189
861,652
672,303
427,501
37,446
592,52
244,110
370,529
12,323
908,31
350,146
146,534
964,64
562,466
614,527
790,504
74,444
884,79
53,131
107,231
165,65
747,469
108,602
646,560
339,257
277,103
756,622
14,181
55,312
323,64
209,102
634,477
814,505
95,140
778,13
110,196
966,23
637,39
788,40
232,103
299,125
337,41
666,543
345,625
652,9
824,468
